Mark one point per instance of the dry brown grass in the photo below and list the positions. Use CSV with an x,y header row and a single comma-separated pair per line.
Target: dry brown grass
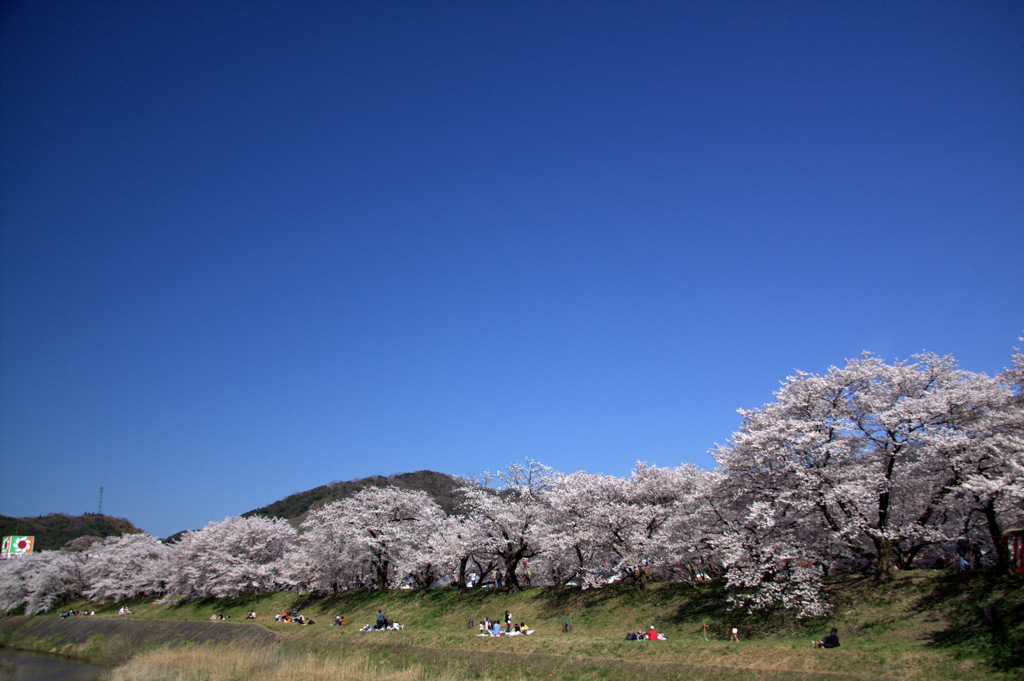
x,y
231,663
397,662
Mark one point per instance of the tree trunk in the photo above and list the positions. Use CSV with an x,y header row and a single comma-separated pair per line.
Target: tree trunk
x,y
482,572
1003,563
424,578
511,579
381,569
460,574
884,567
884,547
905,559
639,575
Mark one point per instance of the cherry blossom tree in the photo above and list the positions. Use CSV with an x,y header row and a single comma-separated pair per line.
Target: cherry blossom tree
x,y
238,555
573,538
463,540
385,527
127,566
424,540
859,447
770,542
690,529
508,508
15,576
57,577
1000,488
659,513
598,527
630,521
986,456
327,547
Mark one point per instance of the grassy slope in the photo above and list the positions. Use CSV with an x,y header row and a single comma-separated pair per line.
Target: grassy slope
x,y
922,626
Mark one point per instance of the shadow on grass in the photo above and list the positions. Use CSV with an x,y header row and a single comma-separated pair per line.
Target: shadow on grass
x,y
986,615
243,601
560,602
708,604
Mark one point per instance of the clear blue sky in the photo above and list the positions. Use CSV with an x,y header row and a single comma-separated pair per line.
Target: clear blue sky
x,y
250,248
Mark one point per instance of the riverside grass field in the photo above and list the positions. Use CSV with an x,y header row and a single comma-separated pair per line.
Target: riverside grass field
x,y
933,626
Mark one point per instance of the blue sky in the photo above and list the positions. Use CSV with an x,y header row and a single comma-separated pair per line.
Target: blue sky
x,y
250,248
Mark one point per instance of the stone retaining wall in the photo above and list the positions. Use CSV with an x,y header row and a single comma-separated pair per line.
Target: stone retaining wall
x,y
28,632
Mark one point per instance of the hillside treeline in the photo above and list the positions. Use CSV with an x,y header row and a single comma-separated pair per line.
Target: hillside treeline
x,y
295,507
870,467
54,530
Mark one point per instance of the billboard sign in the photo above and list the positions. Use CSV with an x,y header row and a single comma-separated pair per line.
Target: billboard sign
x,y
16,546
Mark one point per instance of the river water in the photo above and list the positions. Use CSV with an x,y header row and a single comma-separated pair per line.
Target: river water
x,y
16,665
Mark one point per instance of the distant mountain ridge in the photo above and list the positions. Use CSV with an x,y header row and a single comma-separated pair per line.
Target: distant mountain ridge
x,y
54,530
295,507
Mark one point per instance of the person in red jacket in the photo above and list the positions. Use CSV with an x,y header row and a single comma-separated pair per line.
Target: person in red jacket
x,y
652,635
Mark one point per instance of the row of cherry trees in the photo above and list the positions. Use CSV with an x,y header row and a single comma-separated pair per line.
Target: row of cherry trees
x,y
870,466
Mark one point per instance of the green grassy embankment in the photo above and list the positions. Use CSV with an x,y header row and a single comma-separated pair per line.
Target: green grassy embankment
x,y
925,625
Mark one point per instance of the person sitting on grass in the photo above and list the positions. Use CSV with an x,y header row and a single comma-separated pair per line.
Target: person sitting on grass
x,y
830,641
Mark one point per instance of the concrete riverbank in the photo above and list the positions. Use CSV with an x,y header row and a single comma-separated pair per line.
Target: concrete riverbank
x,y
107,641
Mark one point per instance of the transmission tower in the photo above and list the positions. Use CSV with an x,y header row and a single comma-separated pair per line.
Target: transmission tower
x,y
99,508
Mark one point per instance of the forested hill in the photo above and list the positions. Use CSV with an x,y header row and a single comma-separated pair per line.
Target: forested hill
x,y
56,529
439,486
